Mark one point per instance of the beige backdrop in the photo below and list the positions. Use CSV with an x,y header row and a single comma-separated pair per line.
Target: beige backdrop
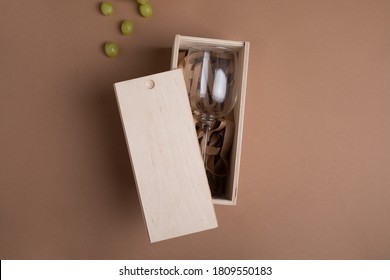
x,y
315,172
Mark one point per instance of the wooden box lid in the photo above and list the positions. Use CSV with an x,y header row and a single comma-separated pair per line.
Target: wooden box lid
x,y
164,152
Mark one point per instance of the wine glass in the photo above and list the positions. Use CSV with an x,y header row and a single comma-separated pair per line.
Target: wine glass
x,y
209,75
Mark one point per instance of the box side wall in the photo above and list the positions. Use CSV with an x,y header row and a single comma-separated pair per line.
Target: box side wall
x,y
239,122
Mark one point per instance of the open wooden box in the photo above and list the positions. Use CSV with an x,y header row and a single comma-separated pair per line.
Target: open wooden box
x,y
164,150
183,43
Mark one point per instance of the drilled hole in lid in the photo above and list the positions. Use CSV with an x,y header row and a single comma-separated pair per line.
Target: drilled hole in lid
x,y
150,84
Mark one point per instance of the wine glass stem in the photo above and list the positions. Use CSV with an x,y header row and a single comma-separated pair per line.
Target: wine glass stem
x,y
207,123
206,130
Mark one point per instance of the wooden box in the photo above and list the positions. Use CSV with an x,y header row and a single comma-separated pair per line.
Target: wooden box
x,y
183,43
164,151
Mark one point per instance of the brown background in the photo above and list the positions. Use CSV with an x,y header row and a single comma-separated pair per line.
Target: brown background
x,y
315,173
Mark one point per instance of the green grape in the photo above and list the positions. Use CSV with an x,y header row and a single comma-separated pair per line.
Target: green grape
x,y
142,1
127,27
106,8
111,49
145,10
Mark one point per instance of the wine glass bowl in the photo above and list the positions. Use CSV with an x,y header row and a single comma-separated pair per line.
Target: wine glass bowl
x,y
210,81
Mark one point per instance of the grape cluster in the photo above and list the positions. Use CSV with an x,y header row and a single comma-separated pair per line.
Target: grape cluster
x,y
127,27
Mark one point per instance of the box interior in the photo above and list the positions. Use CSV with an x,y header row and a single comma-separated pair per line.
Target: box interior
x,y
181,46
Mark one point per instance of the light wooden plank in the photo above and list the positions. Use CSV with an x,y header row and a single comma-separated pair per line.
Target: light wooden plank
x,y
169,173
239,109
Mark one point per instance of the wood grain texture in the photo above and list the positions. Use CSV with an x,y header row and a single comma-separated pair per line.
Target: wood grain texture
x,y
166,161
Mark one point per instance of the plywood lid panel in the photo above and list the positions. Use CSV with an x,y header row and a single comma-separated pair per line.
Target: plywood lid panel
x,y
166,161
